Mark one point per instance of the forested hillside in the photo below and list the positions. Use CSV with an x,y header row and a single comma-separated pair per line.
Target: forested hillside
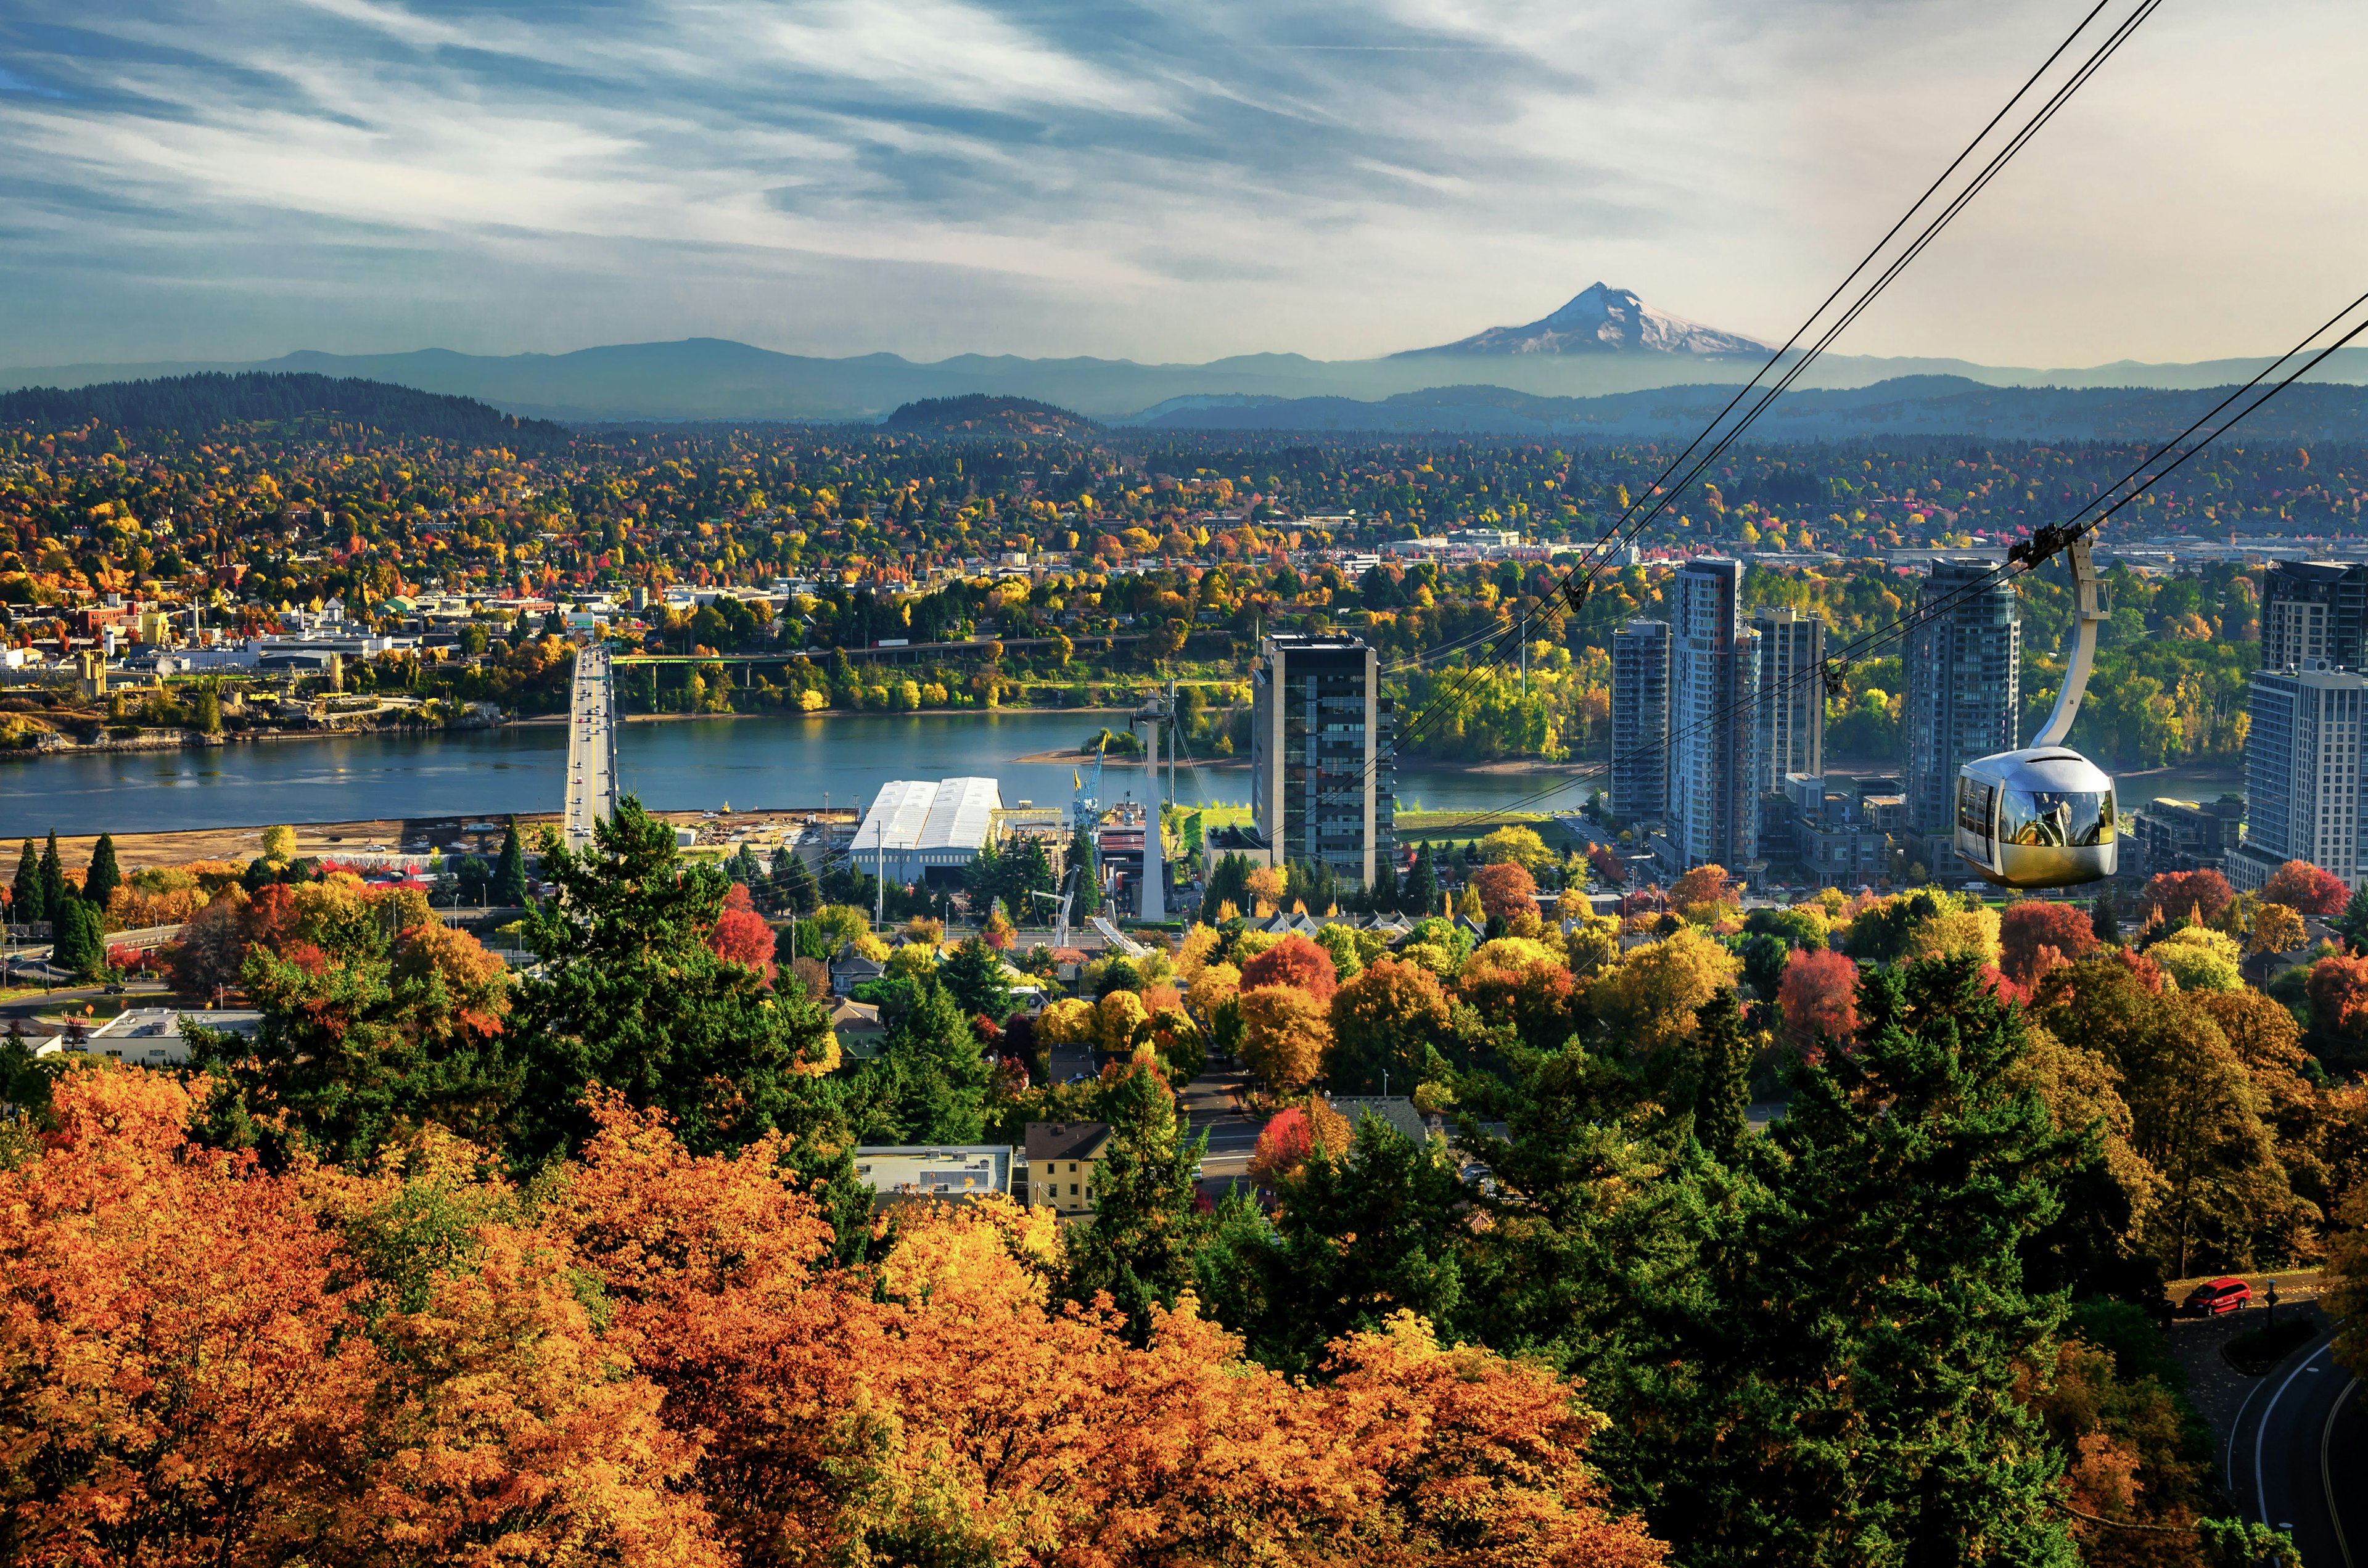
x,y
210,400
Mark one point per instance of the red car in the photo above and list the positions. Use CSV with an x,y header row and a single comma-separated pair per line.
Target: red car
x,y
2217,1296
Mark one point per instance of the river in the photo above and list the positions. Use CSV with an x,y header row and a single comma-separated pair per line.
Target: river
x,y
686,765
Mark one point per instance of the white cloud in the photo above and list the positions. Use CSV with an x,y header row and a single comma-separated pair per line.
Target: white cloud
x,y
1169,182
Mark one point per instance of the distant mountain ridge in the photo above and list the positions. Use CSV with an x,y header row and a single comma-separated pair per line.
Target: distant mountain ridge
x,y
1929,405
1599,320
709,378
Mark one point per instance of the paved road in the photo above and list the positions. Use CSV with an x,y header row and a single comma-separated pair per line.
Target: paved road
x,y
1213,1103
2295,1458
591,747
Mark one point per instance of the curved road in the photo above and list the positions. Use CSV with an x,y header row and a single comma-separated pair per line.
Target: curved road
x,y
2295,1460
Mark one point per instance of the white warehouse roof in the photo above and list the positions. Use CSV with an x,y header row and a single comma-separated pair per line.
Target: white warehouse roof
x,y
910,816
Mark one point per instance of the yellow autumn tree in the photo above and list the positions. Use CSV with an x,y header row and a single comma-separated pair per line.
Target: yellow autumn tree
x,y
1650,996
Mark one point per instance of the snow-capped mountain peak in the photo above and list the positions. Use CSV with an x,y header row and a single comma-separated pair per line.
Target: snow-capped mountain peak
x,y
1603,320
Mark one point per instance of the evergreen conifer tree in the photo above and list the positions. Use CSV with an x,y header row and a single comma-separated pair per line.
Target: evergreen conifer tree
x,y
929,1081
1850,1374
104,877
1420,896
509,873
793,883
1722,1092
29,901
1146,1226
2107,924
53,878
974,972
1229,882
2352,925
77,945
628,994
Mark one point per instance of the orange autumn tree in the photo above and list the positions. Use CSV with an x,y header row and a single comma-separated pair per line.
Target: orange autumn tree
x,y
1506,892
1287,1034
651,1359
1297,962
176,1378
202,1362
937,1406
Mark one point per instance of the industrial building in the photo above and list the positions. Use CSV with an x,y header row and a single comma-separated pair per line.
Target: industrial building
x,y
914,829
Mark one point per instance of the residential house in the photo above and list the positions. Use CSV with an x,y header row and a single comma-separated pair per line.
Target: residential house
x,y
1062,1157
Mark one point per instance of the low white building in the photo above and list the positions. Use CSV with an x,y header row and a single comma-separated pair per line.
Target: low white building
x,y
151,1036
917,1172
915,827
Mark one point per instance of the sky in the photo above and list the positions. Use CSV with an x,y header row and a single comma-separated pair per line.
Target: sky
x,y
234,179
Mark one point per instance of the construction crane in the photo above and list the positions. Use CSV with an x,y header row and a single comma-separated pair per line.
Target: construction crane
x,y
1060,902
1087,808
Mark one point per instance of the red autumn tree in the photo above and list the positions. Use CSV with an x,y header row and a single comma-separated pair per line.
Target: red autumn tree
x,y
2149,973
1819,998
1298,963
2033,925
2177,893
2337,989
741,936
2306,890
1506,891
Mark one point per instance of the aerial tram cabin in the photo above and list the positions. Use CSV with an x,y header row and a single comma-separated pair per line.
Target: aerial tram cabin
x,y
2044,817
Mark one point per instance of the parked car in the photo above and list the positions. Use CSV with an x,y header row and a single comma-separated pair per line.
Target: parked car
x,y
2217,1296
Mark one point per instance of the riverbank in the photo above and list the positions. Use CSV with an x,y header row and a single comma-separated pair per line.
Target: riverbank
x,y
761,828
55,744
60,746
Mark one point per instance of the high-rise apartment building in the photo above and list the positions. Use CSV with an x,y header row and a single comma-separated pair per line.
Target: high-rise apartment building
x,y
1714,775
1322,784
2313,610
1964,683
1640,722
1791,713
2302,775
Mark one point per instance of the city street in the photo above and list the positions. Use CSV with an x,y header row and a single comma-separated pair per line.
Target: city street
x,y
25,1011
2294,1456
2287,1442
